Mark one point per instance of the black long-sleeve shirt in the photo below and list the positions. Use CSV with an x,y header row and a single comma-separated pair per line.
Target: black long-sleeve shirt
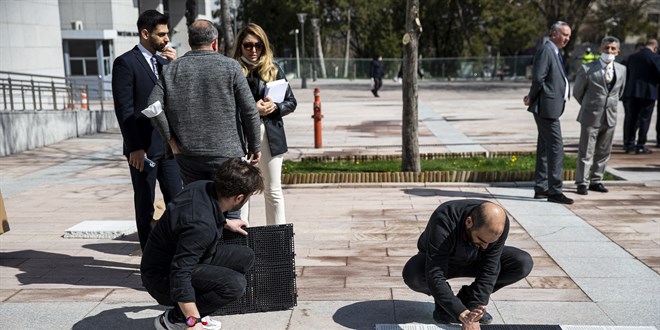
x,y
446,244
185,235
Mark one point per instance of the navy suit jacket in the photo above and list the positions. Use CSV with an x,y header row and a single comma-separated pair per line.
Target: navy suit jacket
x,y
132,82
643,75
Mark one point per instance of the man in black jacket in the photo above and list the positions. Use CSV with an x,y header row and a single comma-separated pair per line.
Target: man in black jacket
x,y
183,266
465,238
642,85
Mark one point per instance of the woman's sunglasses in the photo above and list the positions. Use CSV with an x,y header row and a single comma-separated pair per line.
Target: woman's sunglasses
x,y
249,45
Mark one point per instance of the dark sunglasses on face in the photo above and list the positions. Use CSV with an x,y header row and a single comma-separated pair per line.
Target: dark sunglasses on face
x,y
249,45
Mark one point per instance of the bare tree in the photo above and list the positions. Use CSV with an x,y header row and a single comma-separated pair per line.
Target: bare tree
x,y
410,144
227,26
572,12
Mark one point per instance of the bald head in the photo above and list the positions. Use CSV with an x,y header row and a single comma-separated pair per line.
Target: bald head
x,y
488,216
201,34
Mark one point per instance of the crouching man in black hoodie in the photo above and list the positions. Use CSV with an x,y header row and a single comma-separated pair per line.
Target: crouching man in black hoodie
x,y
465,238
183,266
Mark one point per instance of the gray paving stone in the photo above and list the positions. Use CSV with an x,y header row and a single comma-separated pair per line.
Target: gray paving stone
x,y
38,315
341,314
126,316
607,267
620,290
564,234
455,140
585,249
635,313
549,220
563,312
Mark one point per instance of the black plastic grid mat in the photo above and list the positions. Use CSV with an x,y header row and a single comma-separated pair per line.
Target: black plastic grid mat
x,y
271,283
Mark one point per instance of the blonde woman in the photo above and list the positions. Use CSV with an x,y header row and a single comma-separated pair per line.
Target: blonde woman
x,y
252,50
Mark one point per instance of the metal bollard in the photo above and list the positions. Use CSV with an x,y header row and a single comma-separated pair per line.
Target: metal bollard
x,y
317,116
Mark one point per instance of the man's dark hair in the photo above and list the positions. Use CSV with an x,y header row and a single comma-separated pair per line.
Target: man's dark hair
x,y
150,19
235,177
201,32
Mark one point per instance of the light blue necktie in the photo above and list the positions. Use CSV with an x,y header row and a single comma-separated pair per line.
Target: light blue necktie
x,y
154,63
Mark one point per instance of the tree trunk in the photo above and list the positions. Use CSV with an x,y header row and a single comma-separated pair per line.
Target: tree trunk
x,y
227,26
348,44
410,145
319,52
191,11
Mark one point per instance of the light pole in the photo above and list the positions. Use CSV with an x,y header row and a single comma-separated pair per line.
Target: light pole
x,y
301,19
295,33
315,27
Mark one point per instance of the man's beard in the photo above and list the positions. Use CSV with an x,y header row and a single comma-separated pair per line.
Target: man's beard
x,y
157,46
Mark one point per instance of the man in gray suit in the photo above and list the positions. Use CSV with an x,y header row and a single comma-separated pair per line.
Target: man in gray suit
x,y
546,98
598,87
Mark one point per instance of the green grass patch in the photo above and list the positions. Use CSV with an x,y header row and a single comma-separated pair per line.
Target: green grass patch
x,y
514,163
476,164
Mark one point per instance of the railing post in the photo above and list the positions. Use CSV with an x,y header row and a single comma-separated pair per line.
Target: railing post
x,y
11,94
52,86
23,95
101,92
4,96
34,96
41,106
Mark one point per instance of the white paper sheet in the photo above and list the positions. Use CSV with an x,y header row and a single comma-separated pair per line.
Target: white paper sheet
x,y
276,90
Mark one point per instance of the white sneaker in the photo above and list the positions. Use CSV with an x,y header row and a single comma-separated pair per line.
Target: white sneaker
x,y
211,324
162,322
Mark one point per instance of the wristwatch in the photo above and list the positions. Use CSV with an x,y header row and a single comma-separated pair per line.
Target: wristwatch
x,y
191,321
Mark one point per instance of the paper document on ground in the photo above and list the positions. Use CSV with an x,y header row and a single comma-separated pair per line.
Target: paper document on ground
x,y
276,90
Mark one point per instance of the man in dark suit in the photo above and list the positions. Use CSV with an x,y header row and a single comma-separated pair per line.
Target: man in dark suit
x,y
641,92
134,76
598,87
546,99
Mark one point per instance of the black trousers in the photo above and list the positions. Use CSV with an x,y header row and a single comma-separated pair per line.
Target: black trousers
x,y
515,264
637,120
194,168
378,83
166,173
216,283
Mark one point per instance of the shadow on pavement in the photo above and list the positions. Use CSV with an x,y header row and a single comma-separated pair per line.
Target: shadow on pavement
x,y
428,192
127,318
366,314
46,267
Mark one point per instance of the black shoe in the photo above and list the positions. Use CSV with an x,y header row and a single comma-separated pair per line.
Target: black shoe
x,y
644,151
560,198
441,316
629,149
541,195
598,187
373,91
582,190
486,319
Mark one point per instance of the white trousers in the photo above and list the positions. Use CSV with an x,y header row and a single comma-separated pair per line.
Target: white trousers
x,y
271,171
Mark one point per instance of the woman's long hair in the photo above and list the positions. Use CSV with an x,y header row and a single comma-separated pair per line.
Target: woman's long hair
x,y
265,68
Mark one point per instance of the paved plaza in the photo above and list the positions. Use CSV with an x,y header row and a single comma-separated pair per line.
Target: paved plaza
x,y
596,262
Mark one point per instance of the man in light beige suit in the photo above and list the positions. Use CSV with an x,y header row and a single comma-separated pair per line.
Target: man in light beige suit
x,y
598,87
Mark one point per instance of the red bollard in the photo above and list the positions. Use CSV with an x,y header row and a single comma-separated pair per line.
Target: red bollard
x,y
318,129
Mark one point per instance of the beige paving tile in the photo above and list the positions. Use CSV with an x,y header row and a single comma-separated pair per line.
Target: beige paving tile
x,y
346,271
375,282
321,282
72,294
551,282
345,294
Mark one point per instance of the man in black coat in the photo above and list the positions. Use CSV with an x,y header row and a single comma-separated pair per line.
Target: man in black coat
x,y
641,92
134,76
465,238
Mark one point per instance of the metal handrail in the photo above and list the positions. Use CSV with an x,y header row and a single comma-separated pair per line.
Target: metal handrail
x,y
51,92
